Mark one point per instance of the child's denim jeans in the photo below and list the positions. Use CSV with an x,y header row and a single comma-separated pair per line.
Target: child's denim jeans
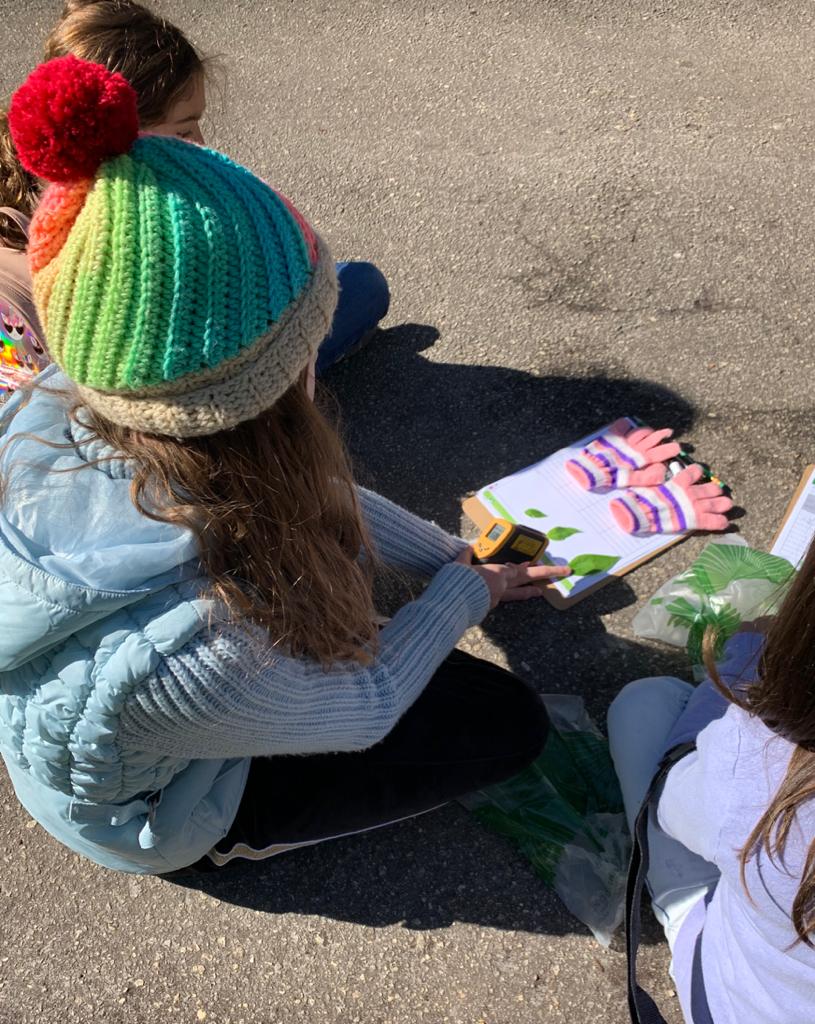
x,y
640,721
363,301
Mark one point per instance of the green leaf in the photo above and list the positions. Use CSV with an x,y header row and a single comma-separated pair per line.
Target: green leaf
x,y
721,564
588,565
535,513
682,611
561,532
723,621
698,620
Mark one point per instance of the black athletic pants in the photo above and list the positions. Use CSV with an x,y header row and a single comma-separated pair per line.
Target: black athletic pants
x,y
473,725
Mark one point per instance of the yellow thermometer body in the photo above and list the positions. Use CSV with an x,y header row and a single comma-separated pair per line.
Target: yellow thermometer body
x,y
503,542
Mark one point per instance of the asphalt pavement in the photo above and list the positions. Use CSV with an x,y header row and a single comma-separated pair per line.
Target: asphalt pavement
x,y
584,209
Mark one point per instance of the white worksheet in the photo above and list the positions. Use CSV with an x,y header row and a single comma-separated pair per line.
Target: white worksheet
x,y
577,522
799,529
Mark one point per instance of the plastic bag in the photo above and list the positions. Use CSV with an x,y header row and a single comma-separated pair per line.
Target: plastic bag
x,y
729,583
565,814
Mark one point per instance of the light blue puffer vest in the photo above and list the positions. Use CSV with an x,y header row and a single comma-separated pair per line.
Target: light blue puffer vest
x,y
92,594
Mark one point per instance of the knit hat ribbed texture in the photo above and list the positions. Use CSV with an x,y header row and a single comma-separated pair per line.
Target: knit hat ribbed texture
x,y
179,292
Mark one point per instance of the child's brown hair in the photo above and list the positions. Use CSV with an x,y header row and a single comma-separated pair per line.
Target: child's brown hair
x,y
153,55
273,507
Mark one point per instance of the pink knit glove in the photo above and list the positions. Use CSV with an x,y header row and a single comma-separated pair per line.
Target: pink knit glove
x,y
678,506
624,455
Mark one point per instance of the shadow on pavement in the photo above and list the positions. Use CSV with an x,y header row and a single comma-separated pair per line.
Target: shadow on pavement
x,y
427,433
426,873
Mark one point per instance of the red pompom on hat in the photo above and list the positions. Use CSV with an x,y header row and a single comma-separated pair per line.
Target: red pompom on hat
x,y
69,116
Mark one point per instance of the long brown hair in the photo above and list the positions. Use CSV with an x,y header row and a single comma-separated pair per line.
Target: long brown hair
x,y
274,509
784,699
153,55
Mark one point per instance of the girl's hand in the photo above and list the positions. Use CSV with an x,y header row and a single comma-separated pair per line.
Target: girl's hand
x,y
513,582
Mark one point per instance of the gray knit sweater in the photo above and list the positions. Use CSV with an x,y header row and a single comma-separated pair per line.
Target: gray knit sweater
x,y
223,695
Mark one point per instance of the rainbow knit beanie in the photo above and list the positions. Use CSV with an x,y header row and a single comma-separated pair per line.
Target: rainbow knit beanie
x,y
179,292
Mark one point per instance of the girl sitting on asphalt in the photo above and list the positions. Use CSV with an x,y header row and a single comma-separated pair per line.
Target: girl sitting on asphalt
x,y
732,849
185,561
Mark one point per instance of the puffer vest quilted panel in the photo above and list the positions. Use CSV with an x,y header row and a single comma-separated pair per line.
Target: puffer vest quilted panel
x,y
59,711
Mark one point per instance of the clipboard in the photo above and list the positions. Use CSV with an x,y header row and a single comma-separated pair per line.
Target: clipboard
x,y
797,527
481,516
550,470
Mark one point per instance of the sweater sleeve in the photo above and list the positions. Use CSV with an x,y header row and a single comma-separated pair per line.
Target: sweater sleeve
x,y
227,694
405,541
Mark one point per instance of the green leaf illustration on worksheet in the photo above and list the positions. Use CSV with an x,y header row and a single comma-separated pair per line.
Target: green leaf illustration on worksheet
x,y
535,513
503,512
561,532
588,565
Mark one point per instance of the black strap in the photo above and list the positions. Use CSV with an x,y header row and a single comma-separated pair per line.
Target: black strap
x,y
641,1005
